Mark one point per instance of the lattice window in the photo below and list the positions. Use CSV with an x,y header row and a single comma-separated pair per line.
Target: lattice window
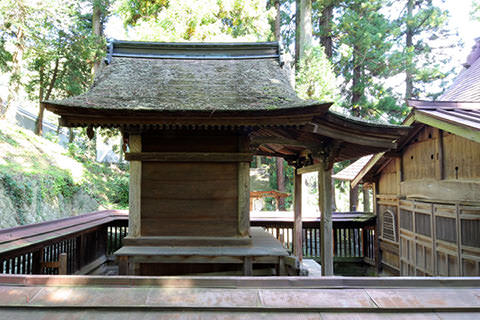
x,y
388,226
406,220
446,229
422,224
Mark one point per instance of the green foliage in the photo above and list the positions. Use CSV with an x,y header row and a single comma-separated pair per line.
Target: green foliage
x,y
108,183
20,191
60,54
475,13
424,58
315,78
363,41
272,178
8,139
5,57
198,20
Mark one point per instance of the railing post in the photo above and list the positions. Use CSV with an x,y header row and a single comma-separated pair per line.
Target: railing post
x,y
62,264
80,261
364,252
102,241
376,253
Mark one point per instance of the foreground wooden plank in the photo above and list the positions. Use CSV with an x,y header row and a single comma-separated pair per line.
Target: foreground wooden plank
x,y
83,297
333,282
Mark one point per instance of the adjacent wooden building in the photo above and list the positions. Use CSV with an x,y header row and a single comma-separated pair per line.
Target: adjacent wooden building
x,y
428,193
193,116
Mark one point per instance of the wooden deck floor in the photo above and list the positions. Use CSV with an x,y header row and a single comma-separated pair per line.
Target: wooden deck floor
x,y
80,297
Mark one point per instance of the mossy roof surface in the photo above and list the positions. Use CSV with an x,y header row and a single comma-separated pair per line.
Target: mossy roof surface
x,y
170,84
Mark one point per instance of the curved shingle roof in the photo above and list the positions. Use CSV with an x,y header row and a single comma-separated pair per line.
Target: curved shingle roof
x,y
190,77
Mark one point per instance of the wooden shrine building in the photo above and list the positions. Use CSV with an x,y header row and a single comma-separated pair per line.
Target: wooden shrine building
x,y
428,192
194,114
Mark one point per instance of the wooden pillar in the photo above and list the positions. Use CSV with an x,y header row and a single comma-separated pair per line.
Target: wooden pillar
x,y
62,264
334,202
366,198
353,198
326,230
135,195
247,266
297,226
123,268
243,190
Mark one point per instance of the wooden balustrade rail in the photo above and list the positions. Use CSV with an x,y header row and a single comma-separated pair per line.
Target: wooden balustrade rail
x,y
77,245
353,235
84,240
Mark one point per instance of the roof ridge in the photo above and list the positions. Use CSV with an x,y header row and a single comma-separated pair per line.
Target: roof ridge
x,y
193,50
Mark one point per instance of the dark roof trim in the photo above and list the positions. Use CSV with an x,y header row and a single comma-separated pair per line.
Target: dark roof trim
x,y
79,116
460,118
193,51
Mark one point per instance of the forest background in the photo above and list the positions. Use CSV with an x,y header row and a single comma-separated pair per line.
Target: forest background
x,y
367,57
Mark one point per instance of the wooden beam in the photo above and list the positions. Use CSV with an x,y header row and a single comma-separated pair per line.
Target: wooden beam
x,y
326,231
297,226
189,156
442,190
256,141
351,137
366,168
440,167
457,129
399,170
312,168
135,193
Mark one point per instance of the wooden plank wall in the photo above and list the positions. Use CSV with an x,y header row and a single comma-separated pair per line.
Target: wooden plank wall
x,y
439,221
189,198
387,183
421,156
439,239
462,157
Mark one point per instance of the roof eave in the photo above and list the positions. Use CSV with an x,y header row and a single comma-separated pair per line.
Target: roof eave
x,y
72,116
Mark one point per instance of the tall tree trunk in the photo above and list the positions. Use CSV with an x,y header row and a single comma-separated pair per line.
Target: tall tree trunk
x,y
277,20
71,135
281,183
354,198
258,161
409,46
357,89
41,97
326,28
15,78
39,121
303,31
97,28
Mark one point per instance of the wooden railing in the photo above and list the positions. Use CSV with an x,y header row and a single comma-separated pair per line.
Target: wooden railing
x,y
77,245
353,235
73,245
